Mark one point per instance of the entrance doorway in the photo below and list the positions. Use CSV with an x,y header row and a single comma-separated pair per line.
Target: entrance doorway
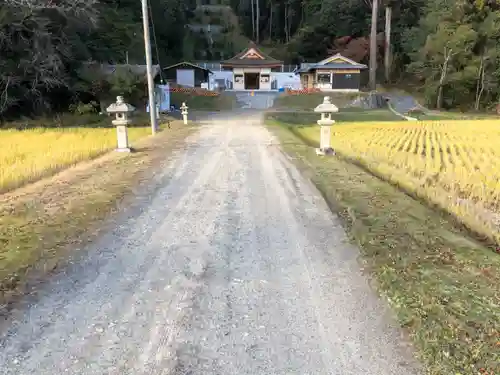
x,y
252,81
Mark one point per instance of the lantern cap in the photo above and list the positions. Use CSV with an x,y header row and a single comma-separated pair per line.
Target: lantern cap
x,y
326,106
120,106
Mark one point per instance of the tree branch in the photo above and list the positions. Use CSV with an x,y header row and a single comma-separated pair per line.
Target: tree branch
x,y
80,8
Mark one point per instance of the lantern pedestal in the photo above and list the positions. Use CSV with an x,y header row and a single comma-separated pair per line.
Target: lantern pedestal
x,y
122,139
324,145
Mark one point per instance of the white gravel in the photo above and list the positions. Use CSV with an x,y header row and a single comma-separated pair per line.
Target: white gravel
x,y
233,266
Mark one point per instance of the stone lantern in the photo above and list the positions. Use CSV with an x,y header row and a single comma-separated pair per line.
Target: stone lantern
x,y
184,112
326,109
122,112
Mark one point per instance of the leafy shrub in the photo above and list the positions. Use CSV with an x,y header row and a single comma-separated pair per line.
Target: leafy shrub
x,y
83,109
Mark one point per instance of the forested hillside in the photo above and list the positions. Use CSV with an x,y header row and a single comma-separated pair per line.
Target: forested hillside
x,y
448,49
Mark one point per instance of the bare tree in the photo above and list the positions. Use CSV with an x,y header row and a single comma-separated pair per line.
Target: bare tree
x,y
444,71
6,100
289,13
286,23
271,12
373,46
80,8
480,82
252,4
387,53
257,20
39,51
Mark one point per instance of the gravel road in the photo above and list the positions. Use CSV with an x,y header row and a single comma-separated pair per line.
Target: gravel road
x,y
402,103
260,100
233,266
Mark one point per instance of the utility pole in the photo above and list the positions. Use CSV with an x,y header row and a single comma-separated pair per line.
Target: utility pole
x,y
149,67
387,54
373,47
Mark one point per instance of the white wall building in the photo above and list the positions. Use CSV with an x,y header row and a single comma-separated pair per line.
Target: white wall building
x,y
251,69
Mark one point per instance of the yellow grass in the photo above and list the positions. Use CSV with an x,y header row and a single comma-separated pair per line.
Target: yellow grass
x,y
29,155
453,164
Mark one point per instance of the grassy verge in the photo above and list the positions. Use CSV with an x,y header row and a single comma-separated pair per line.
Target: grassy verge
x,y
344,115
46,222
448,115
443,286
70,120
225,101
309,101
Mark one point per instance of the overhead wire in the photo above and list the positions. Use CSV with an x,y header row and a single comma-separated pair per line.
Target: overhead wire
x,y
155,40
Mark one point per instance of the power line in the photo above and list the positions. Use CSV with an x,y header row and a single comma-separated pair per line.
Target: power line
x,y
156,43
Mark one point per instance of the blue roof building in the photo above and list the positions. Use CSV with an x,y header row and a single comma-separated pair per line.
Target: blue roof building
x,y
335,73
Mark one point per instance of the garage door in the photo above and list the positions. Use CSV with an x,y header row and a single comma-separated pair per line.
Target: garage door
x,y
185,77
